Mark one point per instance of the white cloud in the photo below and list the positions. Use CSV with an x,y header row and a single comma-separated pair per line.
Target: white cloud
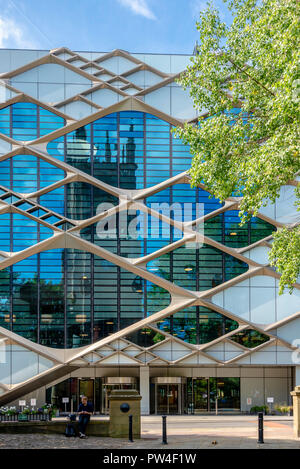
x,y
139,7
12,35
200,5
197,6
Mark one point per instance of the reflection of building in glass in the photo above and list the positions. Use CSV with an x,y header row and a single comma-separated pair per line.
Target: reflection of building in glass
x,y
116,167
68,290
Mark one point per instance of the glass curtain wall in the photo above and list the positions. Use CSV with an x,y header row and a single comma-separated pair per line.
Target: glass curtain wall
x,y
70,298
205,394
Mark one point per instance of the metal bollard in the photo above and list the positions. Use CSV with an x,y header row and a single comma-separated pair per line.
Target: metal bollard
x,y
164,430
130,434
260,427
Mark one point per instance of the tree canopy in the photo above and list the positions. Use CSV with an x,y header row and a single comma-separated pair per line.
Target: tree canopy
x,y
244,80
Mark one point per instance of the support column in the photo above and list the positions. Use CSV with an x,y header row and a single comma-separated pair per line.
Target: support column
x,y
145,390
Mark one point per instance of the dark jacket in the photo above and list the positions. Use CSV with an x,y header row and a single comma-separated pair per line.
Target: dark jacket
x,y
86,408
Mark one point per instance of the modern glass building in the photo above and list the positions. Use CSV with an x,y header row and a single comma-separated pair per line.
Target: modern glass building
x,y
114,272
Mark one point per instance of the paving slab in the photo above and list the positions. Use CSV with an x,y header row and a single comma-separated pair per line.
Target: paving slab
x,y
184,432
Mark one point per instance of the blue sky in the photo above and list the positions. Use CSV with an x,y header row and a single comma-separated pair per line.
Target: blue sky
x,y
159,26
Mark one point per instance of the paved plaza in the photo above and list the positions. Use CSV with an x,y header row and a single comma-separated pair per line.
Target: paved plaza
x,y
184,432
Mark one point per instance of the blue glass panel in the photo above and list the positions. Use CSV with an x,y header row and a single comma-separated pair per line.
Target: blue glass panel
x,y
27,121
5,232
25,297
5,299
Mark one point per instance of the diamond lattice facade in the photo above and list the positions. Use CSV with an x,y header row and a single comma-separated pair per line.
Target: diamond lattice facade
x,y
114,272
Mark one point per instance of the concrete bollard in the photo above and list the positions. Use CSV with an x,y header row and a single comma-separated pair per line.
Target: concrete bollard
x,y
296,410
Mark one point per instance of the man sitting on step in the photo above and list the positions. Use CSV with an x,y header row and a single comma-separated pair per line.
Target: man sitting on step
x,y
85,410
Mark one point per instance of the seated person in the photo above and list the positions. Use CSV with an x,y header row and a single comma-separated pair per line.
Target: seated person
x,y
85,411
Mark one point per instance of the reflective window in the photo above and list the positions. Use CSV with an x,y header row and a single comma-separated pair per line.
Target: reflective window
x,y
128,149
197,269
27,121
145,337
226,229
250,338
5,298
27,174
197,325
70,298
18,232
66,298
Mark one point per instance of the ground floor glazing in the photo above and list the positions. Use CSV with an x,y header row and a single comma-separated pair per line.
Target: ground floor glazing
x,y
237,389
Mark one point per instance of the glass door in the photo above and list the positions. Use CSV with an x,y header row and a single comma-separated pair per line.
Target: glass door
x,y
86,388
200,391
167,398
173,400
162,399
227,390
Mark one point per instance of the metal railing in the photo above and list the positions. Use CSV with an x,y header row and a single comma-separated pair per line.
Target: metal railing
x,y
19,417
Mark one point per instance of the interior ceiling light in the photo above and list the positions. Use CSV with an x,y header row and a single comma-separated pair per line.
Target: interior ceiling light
x,y
81,318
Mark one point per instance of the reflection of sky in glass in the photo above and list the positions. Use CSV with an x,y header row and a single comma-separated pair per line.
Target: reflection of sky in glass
x,y
25,232
27,121
20,173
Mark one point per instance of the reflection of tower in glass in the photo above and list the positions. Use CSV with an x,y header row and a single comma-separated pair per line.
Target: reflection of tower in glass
x,y
114,165
107,169
78,200
128,165
107,149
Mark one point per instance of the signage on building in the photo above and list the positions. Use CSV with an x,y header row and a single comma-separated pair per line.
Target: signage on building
x,y
249,401
33,402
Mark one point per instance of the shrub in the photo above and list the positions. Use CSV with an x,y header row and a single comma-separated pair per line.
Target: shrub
x,y
255,409
8,410
283,409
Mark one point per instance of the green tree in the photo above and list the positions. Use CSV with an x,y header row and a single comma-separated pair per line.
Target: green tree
x,y
245,76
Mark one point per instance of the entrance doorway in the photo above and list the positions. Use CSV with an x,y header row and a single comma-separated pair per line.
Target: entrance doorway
x,y
167,398
72,389
86,388
200,395
168,395
97,391
204,392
